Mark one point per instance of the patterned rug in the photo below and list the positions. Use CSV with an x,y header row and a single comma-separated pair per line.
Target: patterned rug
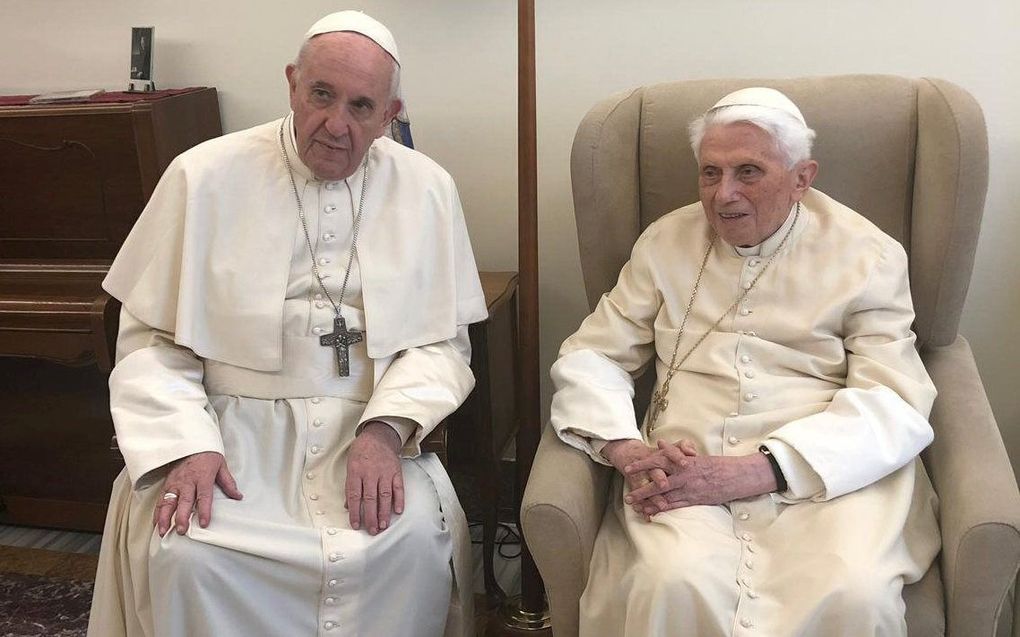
x,y
44,593
38,606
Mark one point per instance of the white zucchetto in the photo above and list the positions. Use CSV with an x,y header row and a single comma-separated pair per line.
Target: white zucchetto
x,y
761,96
357,22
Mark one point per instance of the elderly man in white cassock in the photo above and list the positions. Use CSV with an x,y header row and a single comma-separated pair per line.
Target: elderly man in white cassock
x,y
774,487
295,306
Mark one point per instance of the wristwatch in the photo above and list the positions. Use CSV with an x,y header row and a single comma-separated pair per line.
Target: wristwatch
x,y
776,471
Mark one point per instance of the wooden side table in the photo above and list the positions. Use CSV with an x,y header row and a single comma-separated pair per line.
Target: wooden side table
x,y
484,426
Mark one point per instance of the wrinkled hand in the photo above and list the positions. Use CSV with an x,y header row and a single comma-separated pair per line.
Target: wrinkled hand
x,y
375,482
695,480
192,479
622,453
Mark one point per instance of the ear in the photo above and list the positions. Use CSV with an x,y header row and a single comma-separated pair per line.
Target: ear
x,y
806,171
392,110
291,72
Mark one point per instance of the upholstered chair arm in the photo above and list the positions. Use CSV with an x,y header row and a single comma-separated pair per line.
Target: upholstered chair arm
x,y
560,513
979,500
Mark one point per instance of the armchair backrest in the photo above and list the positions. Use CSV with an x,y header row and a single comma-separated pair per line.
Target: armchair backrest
x,y
909,154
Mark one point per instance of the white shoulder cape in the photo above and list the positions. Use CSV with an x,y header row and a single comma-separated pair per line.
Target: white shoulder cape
x,y
208,259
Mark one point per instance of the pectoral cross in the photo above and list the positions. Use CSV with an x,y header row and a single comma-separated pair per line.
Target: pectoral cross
x,y
341,339
659,404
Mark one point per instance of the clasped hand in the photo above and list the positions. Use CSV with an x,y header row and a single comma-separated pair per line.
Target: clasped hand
x,y
624,454
673,476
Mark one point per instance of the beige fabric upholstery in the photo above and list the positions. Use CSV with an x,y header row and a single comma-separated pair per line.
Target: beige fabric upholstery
x,y
911,155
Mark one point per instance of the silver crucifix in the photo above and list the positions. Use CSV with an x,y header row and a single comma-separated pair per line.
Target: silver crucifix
x,y
341,339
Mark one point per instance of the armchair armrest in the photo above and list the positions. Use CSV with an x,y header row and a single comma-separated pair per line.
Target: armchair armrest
x,y
561,512
979,500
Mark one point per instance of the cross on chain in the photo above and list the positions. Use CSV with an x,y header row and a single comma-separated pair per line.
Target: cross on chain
x,y
659,405
341,339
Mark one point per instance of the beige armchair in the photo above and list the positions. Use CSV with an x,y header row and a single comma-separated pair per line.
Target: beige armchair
x,y
912,156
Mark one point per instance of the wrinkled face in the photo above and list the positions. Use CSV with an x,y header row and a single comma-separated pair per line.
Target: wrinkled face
x,y
746,189
340,95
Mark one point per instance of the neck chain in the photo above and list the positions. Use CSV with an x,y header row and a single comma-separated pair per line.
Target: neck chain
x,y
659,400
340,339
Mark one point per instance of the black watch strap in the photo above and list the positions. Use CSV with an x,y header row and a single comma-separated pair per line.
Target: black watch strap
x,y
776,471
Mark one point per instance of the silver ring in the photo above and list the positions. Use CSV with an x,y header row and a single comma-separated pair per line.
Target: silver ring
x,y
170,495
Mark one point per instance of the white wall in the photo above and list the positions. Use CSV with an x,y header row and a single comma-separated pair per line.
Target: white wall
x,y
460,81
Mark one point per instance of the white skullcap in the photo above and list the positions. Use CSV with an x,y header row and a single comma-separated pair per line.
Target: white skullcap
x,y
760,96
357,22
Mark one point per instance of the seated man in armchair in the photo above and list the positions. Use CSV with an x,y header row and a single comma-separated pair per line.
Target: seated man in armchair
x,y
774,486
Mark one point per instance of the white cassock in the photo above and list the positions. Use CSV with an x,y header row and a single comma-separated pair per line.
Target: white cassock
x,y
818,363
219,351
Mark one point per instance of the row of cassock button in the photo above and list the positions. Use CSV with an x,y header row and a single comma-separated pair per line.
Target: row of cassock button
x,y
745,310
315,450
748,565
743,516
327,236
334,557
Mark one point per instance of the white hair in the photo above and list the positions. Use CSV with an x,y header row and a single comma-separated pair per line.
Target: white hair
x,y
394,74
792,137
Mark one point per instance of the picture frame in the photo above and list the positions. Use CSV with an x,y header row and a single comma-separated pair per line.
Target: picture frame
x,y
141,78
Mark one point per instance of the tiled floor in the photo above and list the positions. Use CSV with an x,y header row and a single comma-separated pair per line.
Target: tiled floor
x,y
65,541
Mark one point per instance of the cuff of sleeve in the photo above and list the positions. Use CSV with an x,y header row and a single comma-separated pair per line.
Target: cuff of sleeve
x,y
586,442
406,428
150,471
801,480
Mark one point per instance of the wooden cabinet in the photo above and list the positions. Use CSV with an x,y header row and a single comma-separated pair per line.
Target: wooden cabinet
x,y
73,180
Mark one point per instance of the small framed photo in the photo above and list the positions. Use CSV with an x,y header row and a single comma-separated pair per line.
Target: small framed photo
x,y
141,59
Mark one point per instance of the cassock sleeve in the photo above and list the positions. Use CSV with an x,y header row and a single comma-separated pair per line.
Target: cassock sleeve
x,y
159,406
878,422
422,386
594,375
